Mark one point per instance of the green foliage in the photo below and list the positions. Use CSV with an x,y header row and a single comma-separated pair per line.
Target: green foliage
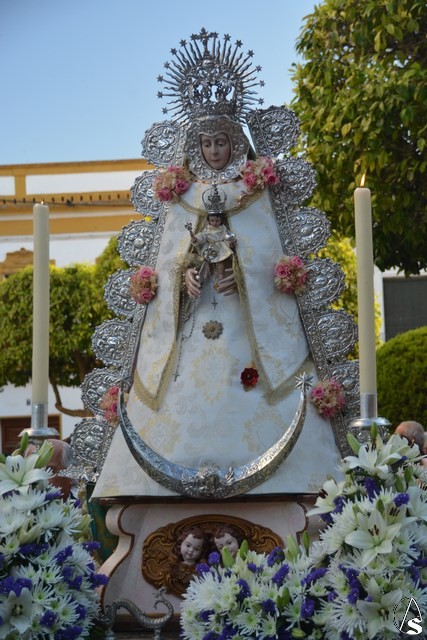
x,y
362,98
340,250
109,261
402,377
76,308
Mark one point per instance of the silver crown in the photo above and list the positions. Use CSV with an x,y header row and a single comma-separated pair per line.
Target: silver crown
x,y
214,201
212,79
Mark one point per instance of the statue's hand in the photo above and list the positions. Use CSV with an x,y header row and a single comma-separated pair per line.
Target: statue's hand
x,y
228,284
192,284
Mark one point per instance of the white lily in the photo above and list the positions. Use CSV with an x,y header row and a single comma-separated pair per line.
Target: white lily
x,y
366,460
417,506
379,612
17,611
374,535
325,502
18,473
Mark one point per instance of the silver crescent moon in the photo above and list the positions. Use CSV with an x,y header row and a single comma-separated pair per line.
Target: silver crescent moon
x,y
209,481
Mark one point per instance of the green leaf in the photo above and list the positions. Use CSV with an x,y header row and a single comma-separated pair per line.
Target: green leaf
x,y
353,443
227,558
244,549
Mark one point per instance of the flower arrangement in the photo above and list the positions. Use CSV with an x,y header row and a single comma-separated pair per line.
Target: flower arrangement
x,y
354,583
259,173
108,404
290,275
143,285
328,397
170,183
47,575
249,378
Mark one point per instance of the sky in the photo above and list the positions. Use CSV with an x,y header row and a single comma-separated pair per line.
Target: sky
x,y
79,77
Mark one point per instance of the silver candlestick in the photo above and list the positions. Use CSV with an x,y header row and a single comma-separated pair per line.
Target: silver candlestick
x,y
39,430
361,427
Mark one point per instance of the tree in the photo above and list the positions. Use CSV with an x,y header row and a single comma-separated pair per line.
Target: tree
x,y
340,250
402,377
77,307
362,99
72,322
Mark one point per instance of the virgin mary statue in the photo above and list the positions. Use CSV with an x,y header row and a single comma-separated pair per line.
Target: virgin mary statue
x,y
233,375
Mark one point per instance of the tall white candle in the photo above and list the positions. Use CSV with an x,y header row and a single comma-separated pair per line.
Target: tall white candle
x,y
365,291
40,369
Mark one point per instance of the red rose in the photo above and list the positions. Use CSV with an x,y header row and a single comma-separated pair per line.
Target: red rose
x,y
249,378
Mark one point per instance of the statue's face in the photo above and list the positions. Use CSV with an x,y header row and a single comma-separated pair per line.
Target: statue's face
x,y
215,221
229,541
191,549
216,150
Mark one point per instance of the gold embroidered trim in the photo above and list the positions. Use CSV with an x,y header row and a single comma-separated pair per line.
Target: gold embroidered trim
x,y
153,401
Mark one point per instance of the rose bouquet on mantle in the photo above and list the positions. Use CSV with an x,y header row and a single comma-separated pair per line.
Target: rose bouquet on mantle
x,y
48,582
353,583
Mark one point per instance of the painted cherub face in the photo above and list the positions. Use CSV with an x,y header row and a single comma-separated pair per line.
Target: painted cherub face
x,y
191,549
216,150
229,541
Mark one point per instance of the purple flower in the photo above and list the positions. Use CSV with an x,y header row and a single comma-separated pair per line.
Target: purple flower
x,y
371,488
339,502
65,553
214,558
280,575
314,575
92,545
55,494
7,585
48,619
401,499
205,614
97,579
307,608
353,596
269,607
81,612
277,555
202,567
71,633
245,591
326,517
23,583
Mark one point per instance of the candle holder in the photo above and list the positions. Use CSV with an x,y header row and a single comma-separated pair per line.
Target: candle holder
x,y
361,427
39,431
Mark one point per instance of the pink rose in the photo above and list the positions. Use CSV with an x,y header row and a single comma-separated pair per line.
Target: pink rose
x,y
181,186
250,180
174,169
282,270
296,261
144,273
272,179
164,195
317,392
146,296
